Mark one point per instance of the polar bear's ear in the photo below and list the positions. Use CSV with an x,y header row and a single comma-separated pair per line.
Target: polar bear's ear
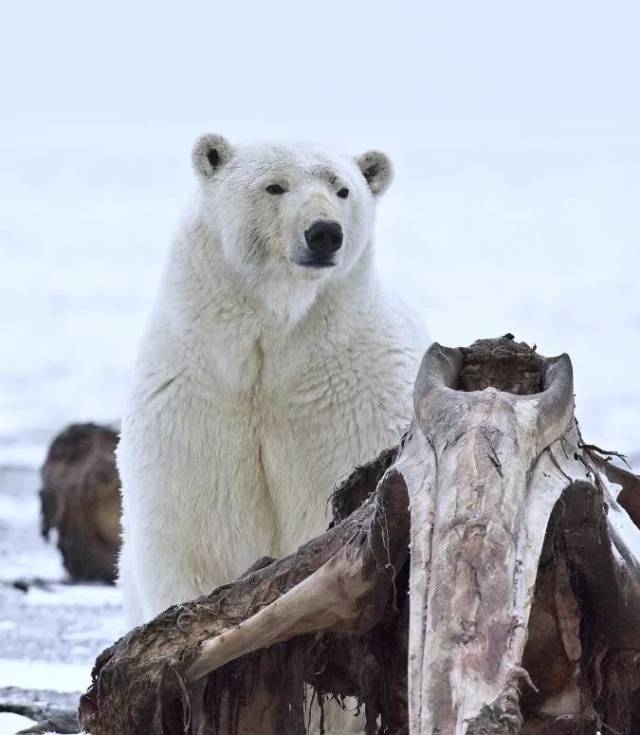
x,y
209,153
377,170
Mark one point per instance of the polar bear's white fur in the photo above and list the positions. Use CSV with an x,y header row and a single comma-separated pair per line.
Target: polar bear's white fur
x,y
267,370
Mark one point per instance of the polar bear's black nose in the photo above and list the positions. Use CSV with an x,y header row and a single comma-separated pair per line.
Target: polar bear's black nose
x,y
324,237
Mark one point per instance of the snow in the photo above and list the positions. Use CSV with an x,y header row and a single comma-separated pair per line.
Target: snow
x,y
81,594
44,675
10,723
51,633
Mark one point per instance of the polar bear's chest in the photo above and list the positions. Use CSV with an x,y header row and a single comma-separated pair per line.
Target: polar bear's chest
x,y
314,425
287,424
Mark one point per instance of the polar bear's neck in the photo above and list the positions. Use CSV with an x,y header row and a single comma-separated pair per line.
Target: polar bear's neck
x,y
215,300
207,325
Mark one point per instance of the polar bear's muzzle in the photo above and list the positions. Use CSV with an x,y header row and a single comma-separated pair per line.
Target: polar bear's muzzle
x,y
323,239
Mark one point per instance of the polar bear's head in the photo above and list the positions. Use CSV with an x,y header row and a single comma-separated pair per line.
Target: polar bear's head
x,y
288,215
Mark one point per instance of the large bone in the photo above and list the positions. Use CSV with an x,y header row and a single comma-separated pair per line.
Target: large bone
x,y
478,522
507,508
337,582
347,593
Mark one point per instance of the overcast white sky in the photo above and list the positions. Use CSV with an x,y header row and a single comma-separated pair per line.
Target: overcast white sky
x,y
505,63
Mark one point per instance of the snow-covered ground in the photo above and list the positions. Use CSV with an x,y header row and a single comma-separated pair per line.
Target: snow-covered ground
x,y
50,632
538,236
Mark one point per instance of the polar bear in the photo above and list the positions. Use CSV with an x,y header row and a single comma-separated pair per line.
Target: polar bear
x,y
273,362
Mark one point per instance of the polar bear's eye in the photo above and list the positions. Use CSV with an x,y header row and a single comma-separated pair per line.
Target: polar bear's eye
x,y
275,189
343,193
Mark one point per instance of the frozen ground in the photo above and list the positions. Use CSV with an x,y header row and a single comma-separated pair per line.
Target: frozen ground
x,y
50,632
538,236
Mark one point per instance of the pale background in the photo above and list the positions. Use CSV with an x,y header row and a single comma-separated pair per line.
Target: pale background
x,y
514,128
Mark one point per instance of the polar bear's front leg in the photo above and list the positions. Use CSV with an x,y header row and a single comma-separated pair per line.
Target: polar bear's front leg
x,y
133,610
158,574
